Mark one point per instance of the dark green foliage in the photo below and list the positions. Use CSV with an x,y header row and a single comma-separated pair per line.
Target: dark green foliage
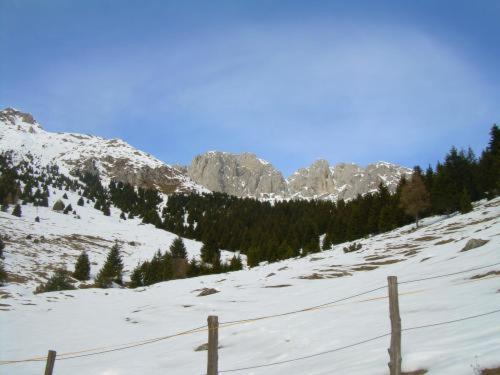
x,y
58,206
17,210
106,210
210,252
3,274
352,247
82,267
235,264
37,219
5,207
60,280
80,202
122,216
68,209
2,246
489,164
465,203
112,270
136,278
65,196
177,249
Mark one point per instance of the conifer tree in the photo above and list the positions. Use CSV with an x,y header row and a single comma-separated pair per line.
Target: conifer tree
x,y
136,278
2,246
465,203
3,274
414,197
82,267
112,269
235,264
60,280
80,202
210,251
122,216
17,210
106,211
177,249
65,196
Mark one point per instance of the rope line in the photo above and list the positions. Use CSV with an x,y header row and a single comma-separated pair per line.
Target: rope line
x,y
356,343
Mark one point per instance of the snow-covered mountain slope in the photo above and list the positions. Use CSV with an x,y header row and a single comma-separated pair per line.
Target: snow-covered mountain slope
x,y
113,158
92,321
37,248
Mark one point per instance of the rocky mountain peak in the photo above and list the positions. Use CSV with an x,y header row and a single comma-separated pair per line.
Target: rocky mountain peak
x,y
236,174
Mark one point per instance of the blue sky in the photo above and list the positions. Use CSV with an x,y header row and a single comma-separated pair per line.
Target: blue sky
x,y
291,81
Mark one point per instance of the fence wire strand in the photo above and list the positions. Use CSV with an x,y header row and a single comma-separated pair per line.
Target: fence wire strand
x,y
108,349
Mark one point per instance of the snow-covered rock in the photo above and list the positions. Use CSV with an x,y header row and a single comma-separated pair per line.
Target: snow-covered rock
x,y
111,158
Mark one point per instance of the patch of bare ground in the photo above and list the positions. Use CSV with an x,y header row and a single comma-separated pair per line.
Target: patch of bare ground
x,y
491,371
426,238
424,259
480,276
4,294
492,204
313,276
376,257
403,246
482,220
314,259
364,268
207,291
282,268
278,286
16,279
410,253
416,372
442,242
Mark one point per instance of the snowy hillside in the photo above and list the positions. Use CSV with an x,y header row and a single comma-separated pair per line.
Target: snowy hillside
x,y
113,159
94,322
36,249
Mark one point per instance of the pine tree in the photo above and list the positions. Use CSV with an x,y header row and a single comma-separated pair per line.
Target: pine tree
x,y
414,197
210,251
60,280
17,210
106,211
235,264
82,267
136,278
112,269
2,246
65,196
122,216
3,275
465,203
80,202
177,249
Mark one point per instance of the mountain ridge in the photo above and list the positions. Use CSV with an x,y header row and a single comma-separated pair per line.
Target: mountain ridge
x,y
243,175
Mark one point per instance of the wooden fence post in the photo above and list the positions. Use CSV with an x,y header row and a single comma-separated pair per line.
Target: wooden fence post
x,y
395,349
213,345
51,359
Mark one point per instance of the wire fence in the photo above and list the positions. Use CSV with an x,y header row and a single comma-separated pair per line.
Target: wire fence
x,y
114,348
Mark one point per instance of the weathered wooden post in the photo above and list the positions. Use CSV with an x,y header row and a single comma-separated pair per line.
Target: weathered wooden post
x,y
395,349
213,345
51,359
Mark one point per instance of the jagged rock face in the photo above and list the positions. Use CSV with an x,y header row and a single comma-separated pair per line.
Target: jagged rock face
x,y
236,174
111,159
343,181
245,175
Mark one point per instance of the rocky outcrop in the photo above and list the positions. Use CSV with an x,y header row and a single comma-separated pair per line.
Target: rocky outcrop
x,y
237,174
245,175
343,181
